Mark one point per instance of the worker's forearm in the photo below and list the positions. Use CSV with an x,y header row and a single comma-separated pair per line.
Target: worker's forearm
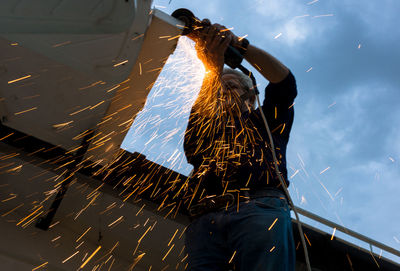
x,y
270,67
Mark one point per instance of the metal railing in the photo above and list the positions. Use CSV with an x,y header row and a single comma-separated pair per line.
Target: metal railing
x,y
347,231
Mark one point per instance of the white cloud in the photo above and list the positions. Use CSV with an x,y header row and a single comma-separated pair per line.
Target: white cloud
x,y
277,9
294,19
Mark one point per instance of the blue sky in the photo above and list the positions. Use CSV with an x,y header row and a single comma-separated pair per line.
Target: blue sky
x,y
344,150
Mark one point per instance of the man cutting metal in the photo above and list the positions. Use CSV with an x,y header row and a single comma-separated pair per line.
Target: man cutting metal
x,y
240,217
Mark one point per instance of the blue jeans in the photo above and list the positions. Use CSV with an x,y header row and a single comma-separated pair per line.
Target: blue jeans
x,y
247,238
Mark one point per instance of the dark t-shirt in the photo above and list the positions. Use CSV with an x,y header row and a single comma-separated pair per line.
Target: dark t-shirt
x,y
235,154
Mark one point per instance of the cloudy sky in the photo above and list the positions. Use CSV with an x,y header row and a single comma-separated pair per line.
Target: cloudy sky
x,y
344,151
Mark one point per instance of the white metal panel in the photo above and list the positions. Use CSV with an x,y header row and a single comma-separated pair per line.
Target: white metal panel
x,y
91,53
69,79
66,16
160,41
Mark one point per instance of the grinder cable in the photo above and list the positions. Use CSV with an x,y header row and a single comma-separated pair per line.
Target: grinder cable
x,y
285,187
291,204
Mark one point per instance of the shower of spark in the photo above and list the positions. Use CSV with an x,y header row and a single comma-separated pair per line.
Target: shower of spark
x,y
158,130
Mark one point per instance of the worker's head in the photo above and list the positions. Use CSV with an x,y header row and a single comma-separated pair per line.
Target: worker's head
x,y
237,89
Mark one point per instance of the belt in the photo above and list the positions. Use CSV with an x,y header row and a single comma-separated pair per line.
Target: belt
x,y
215,203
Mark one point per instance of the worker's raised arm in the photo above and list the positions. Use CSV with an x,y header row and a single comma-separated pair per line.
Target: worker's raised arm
x,y
266,64
270,67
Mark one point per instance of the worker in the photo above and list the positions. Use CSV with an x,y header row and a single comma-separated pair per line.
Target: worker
x,y
240,216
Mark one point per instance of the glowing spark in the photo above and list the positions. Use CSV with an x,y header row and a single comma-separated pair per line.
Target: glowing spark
x,y
31,97
234,253
87,206
309,69
16,169
90,257
21,112
77,240
331,105
19,79
333,234
324,170
301,16
6,136
312,2
92,85
32,219
184,230
240,38
67,259
74,149
140,68
61,44
144,234
175,37
326,190
324,15
136,260
140,209
273,223
294,174
258,67
62,125
79,245
277,36
337,193
121,63
34,212
14,44
272,249
116,221
81,135
283,128
52,225
109,258
125,107
141,35
307,239
5,157
96,105
168,252
248,180
42,265
172,238
9,212
55,239
359,46
80,110
226,29
111,89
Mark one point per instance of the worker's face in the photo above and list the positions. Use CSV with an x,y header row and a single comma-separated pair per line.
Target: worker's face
x,y
231,92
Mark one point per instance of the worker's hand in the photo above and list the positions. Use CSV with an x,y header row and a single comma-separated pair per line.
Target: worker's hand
x,y
235,40
196,33
211,45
